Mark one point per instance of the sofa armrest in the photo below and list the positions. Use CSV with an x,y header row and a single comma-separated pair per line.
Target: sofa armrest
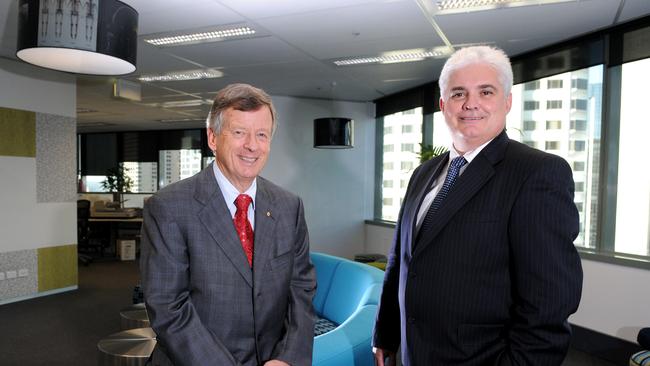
x,y
349,343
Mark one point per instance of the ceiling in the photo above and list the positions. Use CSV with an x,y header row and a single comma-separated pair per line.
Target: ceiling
x,y
299,41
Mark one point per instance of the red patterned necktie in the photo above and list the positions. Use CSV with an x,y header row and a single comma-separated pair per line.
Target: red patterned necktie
x,y
243,226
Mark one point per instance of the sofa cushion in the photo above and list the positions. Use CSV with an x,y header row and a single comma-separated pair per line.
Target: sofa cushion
x,y
325,266
351,287
323,326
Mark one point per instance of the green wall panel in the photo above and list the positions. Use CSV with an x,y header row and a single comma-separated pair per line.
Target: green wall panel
x,y
57,267
17,133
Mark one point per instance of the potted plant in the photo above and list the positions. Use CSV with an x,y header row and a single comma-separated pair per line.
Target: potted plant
x,y
429,151
117,182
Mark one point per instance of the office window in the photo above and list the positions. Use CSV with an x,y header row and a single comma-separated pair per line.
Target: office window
x,y
554,84
530,125
553,104
408,147
388,130
388,184
578,166
553,125
632,229
578,145
580,104
144,176
531,105
175,165
409,122
584,160
403,183
580,186
533,85
579,83
579,124
552,145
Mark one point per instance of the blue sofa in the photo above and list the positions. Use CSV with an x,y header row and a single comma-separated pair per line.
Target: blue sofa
x,y
347,295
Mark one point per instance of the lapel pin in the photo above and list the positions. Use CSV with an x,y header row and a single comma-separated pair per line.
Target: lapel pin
x,y
268,213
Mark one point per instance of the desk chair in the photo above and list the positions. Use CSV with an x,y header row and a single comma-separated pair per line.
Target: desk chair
x,y
90,239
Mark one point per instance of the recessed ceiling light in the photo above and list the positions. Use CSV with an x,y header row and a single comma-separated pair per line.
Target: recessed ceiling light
x,y
183,75
464,6
202,36
397,56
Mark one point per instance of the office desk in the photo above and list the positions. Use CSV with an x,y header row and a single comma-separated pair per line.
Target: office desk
x,y
116,224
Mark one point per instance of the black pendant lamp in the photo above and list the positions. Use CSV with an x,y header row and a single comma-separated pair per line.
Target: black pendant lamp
x,y
333,133
95,37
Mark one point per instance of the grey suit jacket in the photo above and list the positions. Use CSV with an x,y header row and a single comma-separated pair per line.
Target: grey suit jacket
x,y
205,303
493,280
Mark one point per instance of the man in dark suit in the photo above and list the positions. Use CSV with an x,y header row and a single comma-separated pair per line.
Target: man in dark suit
x,y
225,262
483,270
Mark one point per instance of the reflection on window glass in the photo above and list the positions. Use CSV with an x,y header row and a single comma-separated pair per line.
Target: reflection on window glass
x,y
143,175
402,138
175,165
571,133
92,183
633,198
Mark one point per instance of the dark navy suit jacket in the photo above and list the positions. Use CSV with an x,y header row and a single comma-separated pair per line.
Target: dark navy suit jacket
x,y
493,280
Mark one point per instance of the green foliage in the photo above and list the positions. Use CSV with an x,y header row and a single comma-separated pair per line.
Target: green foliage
x,y
117,180
429,151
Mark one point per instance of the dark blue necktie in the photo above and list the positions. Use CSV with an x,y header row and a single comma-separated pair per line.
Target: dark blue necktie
x,y
452,174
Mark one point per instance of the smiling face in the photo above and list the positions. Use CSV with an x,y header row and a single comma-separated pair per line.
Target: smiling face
x,y
474,106
243,144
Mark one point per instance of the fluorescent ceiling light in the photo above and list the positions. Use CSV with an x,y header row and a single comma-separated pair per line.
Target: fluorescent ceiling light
x,y
183,75
464,6
397,56
184,103
202,36
173,120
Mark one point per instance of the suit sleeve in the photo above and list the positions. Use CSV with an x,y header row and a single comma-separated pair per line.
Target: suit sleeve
x,y
546,269
295,348
165,280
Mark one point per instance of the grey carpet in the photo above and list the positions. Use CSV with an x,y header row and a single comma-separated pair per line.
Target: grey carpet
x,y
63,329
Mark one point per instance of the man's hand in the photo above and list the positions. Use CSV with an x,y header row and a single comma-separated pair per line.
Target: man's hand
x,y
276,363
382,355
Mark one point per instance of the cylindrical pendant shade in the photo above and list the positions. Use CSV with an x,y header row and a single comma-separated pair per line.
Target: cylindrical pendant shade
x,y
333,133
96,37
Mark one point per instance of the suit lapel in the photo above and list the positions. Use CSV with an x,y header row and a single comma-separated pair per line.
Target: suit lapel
x,y
265,222
216,219
430,173
475,176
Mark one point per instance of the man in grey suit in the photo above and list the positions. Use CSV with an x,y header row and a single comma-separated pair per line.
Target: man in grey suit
x,y
225,263
483,270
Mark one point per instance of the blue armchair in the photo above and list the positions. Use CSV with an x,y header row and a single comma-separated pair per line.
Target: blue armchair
x,y
346,297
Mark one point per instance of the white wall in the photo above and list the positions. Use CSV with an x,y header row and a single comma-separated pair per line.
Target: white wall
x,y
333,184
34,89
25,223
614,298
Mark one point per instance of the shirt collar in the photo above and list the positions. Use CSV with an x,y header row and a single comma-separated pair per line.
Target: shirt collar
x,y
470,155
229,191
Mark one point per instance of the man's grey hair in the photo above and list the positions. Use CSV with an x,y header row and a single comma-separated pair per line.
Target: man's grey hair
x,y
241,97
492,56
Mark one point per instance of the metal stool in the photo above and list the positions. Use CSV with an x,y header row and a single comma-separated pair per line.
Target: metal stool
x,y
127,348
134,316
